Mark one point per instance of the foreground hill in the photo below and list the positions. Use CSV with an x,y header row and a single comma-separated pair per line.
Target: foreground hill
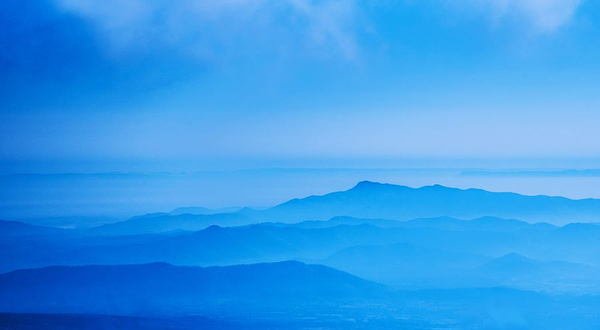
x,y
461,309
145,288
62,321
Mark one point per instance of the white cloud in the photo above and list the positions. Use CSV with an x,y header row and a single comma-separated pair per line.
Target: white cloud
x,y
206,28
544,15
220,29
330,22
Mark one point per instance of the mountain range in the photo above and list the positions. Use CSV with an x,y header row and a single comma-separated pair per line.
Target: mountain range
x,y
375,256
426,253
376,201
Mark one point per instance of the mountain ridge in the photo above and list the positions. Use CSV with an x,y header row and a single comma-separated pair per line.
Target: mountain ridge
x,y
368,199
144,288
373,200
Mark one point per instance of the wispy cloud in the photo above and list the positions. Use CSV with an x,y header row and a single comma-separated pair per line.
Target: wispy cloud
x,y
543,15
216,30
208,28
330,22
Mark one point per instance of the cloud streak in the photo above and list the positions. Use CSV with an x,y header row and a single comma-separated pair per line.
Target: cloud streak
x,y
544,16
220,30
213,29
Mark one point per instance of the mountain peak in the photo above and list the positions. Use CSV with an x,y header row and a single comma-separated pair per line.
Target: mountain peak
x,y
511,262
368,184
365,184
514,257
436,187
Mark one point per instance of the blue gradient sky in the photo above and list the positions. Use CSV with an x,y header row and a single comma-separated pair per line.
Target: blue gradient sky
x,y
97,85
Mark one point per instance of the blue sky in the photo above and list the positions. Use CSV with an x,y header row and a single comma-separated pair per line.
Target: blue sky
x,y
263,83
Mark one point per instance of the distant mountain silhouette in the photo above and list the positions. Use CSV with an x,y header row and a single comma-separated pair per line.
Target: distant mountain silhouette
x,y
337,221
217,245
483,224
580,230
16,228
211,246
511,263
164,222
514,265
197,210
377,200
69,222
378,204
518,271
402,262
443,223
159,286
